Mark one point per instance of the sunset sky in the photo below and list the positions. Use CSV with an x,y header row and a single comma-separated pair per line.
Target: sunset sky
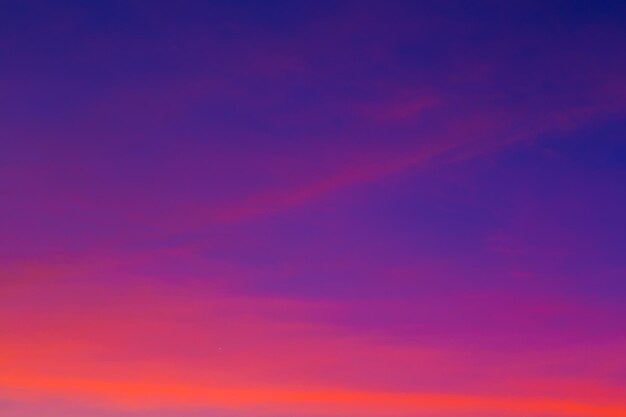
x,y
328,208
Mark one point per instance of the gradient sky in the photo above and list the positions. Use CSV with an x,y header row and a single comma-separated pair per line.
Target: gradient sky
x,y
266,208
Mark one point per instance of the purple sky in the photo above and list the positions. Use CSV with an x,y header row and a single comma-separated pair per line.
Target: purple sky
x,y
312,208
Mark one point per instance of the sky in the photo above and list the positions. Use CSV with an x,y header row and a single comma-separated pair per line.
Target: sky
x,y
272,208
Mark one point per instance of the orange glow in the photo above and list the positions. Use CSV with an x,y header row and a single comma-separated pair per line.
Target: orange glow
x,y
149,395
